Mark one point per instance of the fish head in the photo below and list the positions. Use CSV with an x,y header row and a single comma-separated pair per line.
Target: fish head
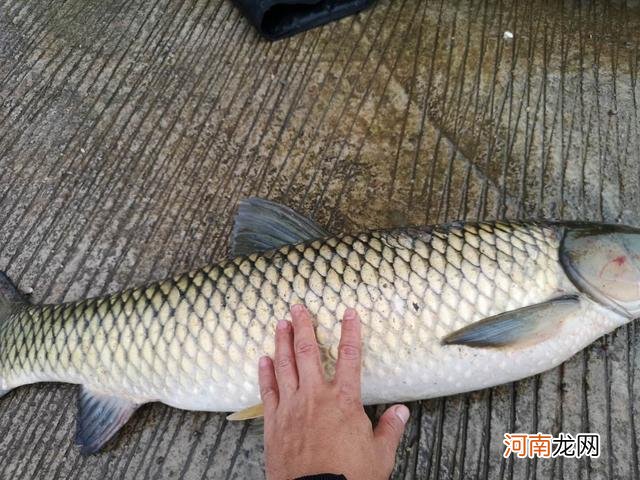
x,y
603,261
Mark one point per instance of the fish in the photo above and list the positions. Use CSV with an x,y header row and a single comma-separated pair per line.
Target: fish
x,y
444,309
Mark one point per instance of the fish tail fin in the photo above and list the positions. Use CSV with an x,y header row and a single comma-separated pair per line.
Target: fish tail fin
x,y
11,300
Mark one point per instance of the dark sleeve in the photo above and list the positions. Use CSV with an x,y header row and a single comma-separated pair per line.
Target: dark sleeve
x,y
323,476
281,18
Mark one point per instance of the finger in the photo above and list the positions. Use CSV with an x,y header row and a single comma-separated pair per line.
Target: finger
x,y
285,362
268,385
389,431
306,348
349,356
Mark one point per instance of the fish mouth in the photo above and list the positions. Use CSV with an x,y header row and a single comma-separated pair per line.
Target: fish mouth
x,y
603,262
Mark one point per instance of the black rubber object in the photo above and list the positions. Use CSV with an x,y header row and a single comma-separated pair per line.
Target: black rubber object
x,y
277,19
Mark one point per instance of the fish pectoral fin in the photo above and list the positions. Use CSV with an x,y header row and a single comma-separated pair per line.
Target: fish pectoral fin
x,y
521,327
261,225
256,411
99,418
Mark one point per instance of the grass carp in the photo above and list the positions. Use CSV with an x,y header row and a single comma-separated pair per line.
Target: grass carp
x,y
445,309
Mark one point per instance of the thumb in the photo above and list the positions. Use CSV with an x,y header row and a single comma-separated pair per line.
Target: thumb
x,y
390,428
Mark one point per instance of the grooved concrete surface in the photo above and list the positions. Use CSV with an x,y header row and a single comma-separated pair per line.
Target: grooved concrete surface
x,y
130,129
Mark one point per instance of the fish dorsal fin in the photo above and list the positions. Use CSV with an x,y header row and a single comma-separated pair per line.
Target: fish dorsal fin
x,y
522,327
99,418
262,225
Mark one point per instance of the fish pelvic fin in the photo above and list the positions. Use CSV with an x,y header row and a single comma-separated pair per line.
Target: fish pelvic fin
x,y
11,300
261,225
517,328
99,419
257,411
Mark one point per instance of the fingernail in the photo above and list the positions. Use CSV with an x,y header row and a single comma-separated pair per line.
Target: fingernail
x,y
297,308
402,412
264,362
282,325
350,314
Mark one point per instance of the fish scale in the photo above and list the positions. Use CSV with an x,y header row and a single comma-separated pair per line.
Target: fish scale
x,y
194,341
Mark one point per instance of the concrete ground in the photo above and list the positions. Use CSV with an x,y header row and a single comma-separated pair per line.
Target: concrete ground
x,y
130,129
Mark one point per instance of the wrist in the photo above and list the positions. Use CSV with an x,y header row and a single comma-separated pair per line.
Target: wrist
x,y
323,476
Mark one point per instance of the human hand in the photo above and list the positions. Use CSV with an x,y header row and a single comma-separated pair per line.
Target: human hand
x,y
313,426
